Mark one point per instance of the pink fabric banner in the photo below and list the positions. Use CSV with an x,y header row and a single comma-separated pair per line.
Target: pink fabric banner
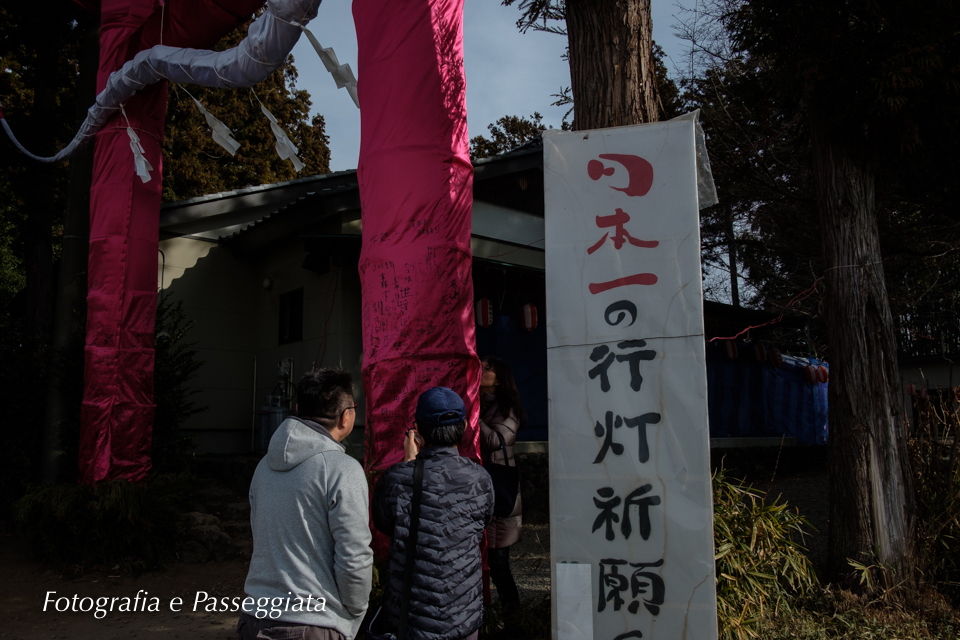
x,y
416,190
118,404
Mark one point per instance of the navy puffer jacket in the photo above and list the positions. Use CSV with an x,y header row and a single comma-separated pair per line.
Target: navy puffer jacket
x,y
446,596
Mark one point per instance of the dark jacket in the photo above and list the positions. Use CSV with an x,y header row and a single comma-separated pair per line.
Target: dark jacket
x,y
446,597
501,532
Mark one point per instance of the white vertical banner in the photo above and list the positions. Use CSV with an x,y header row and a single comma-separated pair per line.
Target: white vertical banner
x,y
630,490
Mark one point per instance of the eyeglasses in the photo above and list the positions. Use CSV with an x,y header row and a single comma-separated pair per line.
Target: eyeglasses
x,y
354,407
486,367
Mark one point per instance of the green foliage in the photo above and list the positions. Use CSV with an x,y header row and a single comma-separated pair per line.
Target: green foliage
x,y
827,614
21,397
12,279
128,526
195,165
175,365
936,476
39,61
508,133
760,563
540,15
871,70
759,125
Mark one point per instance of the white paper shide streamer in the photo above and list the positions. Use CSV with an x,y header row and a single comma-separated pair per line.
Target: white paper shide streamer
x,y
143,166
285,148
342,73
221,132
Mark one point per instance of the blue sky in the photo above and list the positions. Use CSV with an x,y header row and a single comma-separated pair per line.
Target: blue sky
x,y
508,73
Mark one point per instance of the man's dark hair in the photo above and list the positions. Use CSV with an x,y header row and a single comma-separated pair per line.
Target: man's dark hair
x,y
324,393
448,435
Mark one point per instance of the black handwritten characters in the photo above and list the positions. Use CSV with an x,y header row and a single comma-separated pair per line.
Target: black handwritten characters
x,y
605,357
646,587
612,422
617,371
636,498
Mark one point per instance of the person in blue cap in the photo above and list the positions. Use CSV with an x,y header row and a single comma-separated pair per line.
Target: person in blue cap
x,y
445,601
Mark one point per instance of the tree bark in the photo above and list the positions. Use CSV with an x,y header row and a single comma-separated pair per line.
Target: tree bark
x,y
38,229
732,255
71,291
871,490
612,73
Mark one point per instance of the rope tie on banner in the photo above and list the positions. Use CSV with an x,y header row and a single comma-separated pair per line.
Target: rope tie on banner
x,y
800,297
260,62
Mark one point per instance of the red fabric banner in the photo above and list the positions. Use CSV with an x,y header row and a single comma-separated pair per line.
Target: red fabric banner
x,y
118,405
416,190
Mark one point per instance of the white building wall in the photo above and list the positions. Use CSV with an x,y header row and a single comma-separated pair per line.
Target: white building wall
x,y
236,319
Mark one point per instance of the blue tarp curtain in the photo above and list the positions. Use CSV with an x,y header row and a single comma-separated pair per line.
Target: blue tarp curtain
x,y
747,398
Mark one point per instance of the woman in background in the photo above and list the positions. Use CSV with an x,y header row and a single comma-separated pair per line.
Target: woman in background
x,y
501,412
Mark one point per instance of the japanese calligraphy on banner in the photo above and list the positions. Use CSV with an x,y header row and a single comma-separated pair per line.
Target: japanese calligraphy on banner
x,y
630,493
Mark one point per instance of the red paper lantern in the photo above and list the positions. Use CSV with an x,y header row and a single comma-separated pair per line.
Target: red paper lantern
x,y
529,316
810,373
484,313
822,374
924,394
759,352
730,348
776,359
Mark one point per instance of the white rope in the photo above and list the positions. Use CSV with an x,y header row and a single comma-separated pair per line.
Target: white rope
x,y
206,68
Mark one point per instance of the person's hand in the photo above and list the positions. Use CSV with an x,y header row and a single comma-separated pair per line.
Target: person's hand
x,y
410,445
486,401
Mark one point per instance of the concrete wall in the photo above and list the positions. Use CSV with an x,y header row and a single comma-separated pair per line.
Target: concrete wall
x,y
218,295
929,373
236,330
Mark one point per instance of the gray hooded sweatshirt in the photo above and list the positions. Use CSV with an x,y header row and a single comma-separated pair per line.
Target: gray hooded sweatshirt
x,y
311,537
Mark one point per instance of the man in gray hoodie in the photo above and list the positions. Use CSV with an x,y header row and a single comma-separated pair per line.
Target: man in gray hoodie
x,y
311,569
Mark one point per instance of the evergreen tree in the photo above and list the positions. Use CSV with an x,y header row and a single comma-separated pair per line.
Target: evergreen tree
x,y
194,165
820,107
506,134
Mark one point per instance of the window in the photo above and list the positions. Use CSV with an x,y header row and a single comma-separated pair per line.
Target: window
x,y
291,316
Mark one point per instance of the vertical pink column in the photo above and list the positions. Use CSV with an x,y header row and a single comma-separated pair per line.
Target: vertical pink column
x,y
416,191
117,412
118,405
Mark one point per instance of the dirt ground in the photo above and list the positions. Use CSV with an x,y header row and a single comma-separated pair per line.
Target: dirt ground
x,y
24,586
795,476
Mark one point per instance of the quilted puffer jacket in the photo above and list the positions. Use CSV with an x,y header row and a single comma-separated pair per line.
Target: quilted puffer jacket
x,y
457,503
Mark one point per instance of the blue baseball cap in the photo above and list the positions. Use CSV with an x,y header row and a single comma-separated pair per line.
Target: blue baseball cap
x,y
440,406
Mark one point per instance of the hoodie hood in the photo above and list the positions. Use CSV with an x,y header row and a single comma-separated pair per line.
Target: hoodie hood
x,y
296,440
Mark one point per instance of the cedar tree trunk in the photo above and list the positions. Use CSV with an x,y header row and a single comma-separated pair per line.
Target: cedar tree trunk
x,y
871,490
71,292
39,202
612,73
